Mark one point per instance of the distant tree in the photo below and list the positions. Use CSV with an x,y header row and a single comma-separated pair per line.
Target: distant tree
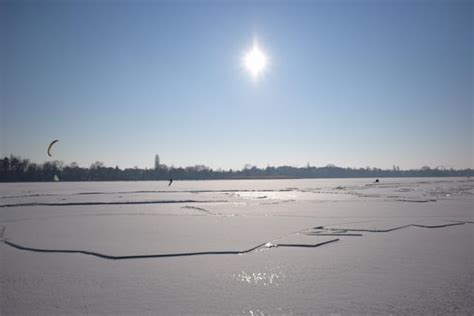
x,y
97,165
14,168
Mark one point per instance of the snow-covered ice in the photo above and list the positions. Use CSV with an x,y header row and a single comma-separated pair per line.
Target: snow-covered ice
x,y
345,246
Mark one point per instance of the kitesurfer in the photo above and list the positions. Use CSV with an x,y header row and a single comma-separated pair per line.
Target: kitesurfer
x,y
51,145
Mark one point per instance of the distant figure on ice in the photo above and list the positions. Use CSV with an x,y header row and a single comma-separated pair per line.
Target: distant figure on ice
x,y
171,181
376,180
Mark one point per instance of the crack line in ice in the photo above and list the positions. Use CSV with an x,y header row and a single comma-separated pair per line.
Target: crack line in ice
x,y
145,191
209,212
185,254
414,201
201,209
277,202
113,203
400,227
168,255
104,256
308,245
437,226
334,234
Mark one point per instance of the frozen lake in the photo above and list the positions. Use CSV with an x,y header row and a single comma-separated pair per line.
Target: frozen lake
x,y
256,247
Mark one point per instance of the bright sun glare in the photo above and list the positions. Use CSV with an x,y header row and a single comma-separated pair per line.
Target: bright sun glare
x,y
255,61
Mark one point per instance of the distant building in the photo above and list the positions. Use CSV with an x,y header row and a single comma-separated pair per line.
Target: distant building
x,y
157,162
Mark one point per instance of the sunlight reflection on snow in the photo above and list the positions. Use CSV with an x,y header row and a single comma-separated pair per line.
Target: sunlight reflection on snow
x,y
259,278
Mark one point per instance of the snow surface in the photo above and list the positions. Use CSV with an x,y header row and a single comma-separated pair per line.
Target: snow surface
x,y
256,247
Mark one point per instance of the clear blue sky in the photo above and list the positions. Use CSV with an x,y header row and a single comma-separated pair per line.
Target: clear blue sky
x,y
352,83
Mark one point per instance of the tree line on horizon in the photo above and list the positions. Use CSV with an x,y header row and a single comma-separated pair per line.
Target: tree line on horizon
x,y
17,169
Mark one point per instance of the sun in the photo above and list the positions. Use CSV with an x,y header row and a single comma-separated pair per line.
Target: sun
x,y
255,61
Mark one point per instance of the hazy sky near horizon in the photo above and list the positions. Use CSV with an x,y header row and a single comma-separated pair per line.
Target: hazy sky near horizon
x,y
351,83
